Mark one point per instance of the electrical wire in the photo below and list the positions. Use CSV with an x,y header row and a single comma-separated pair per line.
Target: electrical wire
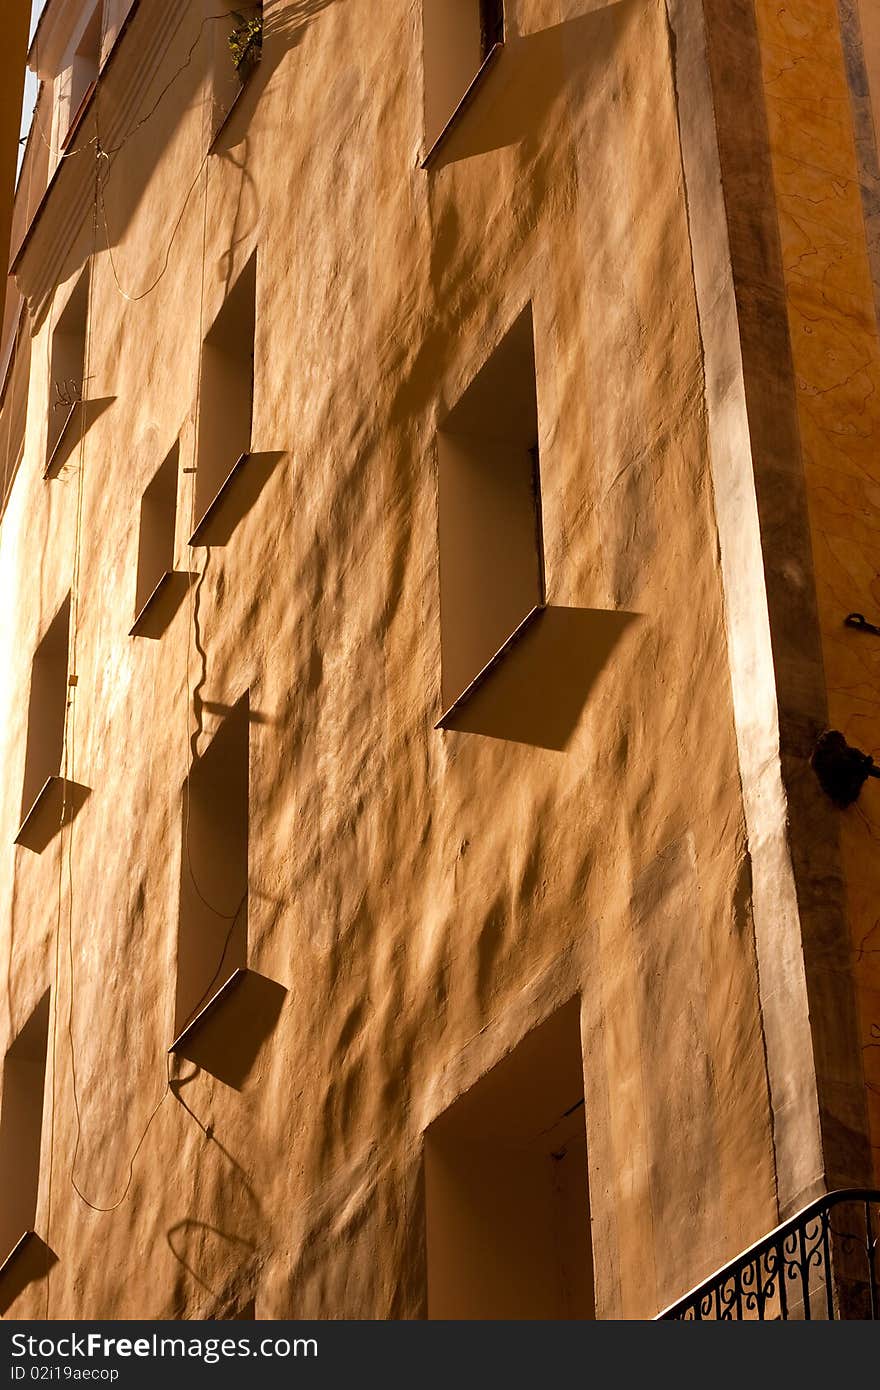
x,y
105,153
142,294
68,775
208,19
69,764
81,149
68,769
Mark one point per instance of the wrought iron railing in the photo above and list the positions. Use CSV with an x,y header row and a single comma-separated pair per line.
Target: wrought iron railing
x,y
822,1264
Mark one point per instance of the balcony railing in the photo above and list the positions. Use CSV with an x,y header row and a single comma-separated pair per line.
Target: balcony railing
x,y
822,1264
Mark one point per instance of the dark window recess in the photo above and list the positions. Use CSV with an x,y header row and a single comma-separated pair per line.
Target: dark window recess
x,y
46,709
506,1188
491,25
458,37
238,48
67,371
213,916
226,399
156,537
21,1127
13,410
491,544
85,68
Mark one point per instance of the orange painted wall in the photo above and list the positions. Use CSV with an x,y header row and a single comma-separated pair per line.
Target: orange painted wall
x,y
834,335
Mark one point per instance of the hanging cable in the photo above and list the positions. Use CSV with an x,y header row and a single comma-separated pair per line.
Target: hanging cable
x,y
142,294
107,152
209,19
68,770
81,149
68,765
35,117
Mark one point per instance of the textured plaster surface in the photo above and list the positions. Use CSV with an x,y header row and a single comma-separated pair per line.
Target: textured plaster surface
x,y
424,898
813,1044
14,47
718,152
826,176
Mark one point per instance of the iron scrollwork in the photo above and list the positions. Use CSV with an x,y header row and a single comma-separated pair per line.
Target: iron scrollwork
x,y
822,1264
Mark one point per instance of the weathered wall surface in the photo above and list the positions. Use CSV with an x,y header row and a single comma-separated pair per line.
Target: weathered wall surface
x,y
819,72
14,50
424,897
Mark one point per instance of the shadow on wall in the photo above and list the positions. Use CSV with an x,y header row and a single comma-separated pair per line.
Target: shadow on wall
x,y
81,418
284,28
513,102
537,692
196,1244
30,1261
25,1258
228,1041
58,802
152,130
218,708
154,621
506,1187
238,494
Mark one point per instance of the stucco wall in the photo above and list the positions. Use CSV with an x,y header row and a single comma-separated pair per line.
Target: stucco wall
x,y
423,897
815,58
10,116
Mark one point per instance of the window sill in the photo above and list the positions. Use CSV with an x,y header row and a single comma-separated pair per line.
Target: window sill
x,y
234,104
29,1259
71,133
487,670
45,817
487,63
214,1003
50,471
158,611
44,799
146,606
18,1248
198,535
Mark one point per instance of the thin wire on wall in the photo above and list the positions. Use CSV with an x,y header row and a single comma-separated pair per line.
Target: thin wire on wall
x,y
81,149
102,161
68,768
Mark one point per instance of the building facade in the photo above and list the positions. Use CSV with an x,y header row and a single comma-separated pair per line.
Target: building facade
x,y
440,459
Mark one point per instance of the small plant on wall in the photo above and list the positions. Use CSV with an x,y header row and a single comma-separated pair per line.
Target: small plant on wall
x,y
246,42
